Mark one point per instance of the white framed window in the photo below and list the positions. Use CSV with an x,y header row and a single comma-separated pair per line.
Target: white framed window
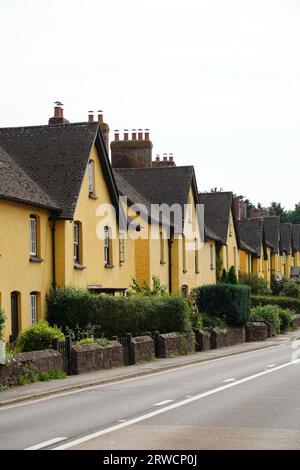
x,y
33,235
106,246
91,177
183,241
121,248
33,308
162,246
76,242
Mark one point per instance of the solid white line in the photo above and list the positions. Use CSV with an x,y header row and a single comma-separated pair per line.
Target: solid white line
x,y
270,366
229,380
162,402
46,443
170,407
31,401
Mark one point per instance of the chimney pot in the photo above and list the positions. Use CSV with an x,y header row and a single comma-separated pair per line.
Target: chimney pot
x,y
140,134
157,158
125,134
133,134
100,115
91,116
117,135
165,157
147,134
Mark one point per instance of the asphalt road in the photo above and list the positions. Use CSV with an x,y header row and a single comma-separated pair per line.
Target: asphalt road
x,y
249,401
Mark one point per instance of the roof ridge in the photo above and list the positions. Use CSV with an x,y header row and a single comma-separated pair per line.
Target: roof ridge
x,y
35,126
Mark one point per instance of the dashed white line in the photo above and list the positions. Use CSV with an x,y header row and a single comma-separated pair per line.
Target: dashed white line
x,y
41,445
162,402
233,379
174,406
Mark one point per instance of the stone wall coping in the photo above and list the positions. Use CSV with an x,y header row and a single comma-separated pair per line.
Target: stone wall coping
x,y
142,339
170,335
32,355
95,346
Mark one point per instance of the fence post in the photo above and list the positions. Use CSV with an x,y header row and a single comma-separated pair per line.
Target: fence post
x,y
55,344
157,343
97,331
130,348
69,354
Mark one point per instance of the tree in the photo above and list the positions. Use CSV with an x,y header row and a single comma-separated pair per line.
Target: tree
x,y
294,216
280,211
231,276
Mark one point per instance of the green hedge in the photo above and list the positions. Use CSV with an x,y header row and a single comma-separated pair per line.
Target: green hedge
x,y
71,307
230,302
283,302
37,337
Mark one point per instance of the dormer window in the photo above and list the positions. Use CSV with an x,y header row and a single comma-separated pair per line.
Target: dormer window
x,y
91,177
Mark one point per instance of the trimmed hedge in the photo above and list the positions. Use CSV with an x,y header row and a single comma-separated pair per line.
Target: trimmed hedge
x,y
71,307
283,302
230,302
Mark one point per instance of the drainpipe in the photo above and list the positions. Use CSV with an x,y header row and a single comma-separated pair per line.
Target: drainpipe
x,y
170,242
53,230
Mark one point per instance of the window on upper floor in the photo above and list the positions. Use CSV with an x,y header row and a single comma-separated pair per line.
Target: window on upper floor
x,y
121,248
77,241
91,177
283,258
33,235
183,241
107,248
162,246
34,307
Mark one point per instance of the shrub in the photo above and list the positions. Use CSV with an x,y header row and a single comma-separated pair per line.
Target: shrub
x,y
231,276
276,285
38,336
71,307
229,302
2,322
144,289
290,289
283,302
286,319
269,313
100,341
223,279
210,322
258,284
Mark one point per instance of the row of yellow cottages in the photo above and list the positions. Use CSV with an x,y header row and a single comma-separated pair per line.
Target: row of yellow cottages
x,y
62,223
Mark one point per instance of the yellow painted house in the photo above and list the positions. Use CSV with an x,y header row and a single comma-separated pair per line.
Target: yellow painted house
x,y
286,261
171,242
295,270
272,238
221,224
255,255
59,217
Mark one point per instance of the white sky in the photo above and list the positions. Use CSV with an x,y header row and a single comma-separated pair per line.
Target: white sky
x,y
216,81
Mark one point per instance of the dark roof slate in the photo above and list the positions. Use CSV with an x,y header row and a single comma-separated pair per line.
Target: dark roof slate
x,y
286,238
272,232
217,206
251,235
45,165
296,237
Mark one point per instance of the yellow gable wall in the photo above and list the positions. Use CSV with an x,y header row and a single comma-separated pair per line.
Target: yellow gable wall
x,y
17,273
230,250
95,272
267,267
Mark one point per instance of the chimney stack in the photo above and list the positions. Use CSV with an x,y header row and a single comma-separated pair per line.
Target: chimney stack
x,y
140,134
171,158
147,134
133,134
58,116
165,157
91,116
100,115
133,151
126,134
117,135
157,158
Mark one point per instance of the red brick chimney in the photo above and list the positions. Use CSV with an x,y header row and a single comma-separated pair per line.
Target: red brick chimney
x,y
167,161
104,129
91,116
131,153
58,116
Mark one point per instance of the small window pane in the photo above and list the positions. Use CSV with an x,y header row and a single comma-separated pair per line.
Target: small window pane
x,y
91,177
33,236
33,308
106,246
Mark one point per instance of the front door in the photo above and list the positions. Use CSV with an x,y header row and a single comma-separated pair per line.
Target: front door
x,y
14,315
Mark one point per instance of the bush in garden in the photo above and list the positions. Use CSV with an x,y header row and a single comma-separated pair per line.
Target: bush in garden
x,y
286,319
37,337
229,302
231,276
283,302
2,322
210,322
258,284
223,278
69,307
290,289
269,313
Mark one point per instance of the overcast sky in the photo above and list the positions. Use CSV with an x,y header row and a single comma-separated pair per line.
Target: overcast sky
x,y
216,81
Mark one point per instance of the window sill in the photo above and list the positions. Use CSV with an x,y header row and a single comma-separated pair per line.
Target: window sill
x,y
92,196
35,259
78,266
109,266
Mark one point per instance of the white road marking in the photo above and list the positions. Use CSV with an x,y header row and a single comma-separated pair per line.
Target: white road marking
x,y
188,396
122,420
270,366
171,407
229,380
46,443
162,402
32,401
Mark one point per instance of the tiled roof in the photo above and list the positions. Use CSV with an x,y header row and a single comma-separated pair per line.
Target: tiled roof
x,y
286,238
296,237
272,232
251,234
45,165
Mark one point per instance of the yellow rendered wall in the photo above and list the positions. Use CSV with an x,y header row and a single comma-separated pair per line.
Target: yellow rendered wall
x,y
17,273
267,267
93,217
229,250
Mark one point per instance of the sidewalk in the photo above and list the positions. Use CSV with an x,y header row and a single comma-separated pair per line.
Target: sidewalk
x,y
101,377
